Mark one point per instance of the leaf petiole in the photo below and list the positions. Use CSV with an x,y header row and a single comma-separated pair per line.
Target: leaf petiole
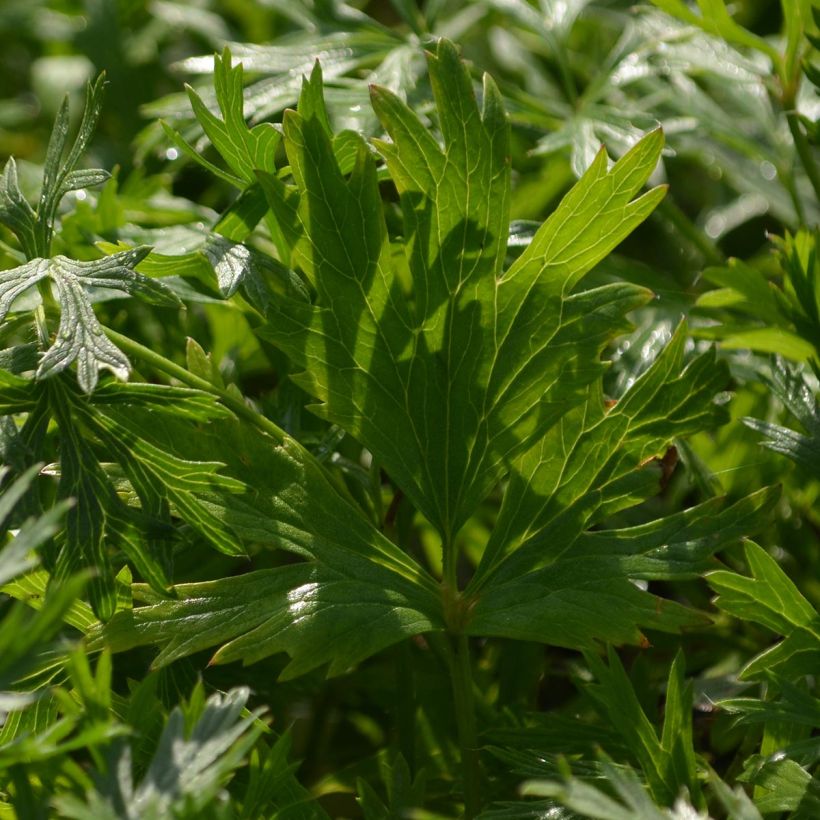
x,y
232,402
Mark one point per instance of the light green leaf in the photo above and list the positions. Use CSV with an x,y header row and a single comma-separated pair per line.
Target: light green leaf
x,y
775,340
758,294
243,149
187,771
80,337
785,785
15,211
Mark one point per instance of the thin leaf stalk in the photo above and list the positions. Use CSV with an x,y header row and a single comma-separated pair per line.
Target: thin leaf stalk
x,y
462,682
40,318
233,403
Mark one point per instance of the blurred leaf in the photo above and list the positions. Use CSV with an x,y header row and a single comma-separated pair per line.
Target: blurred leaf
x,y
793,390
187,771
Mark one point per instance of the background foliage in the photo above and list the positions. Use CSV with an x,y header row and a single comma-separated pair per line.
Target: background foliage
x,y
342,514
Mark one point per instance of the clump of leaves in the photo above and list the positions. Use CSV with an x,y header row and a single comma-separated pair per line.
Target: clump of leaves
x,y
457,372
778,315
100,527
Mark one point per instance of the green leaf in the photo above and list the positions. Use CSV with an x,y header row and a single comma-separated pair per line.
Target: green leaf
x,y
633,802
775,340
16,556
15,212
153,479
237,264
793,390
786,786
243,149
770,598
80,337
479,350
593,462
316,615
357,594
59,176
25,638
543,577
714,18
668,762
188,769
758,294
272,781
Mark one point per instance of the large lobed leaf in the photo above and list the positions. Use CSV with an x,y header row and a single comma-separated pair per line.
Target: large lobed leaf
x,y
356,594
447,383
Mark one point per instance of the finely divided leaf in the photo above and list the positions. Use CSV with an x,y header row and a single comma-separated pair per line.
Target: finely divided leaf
x,y
80,336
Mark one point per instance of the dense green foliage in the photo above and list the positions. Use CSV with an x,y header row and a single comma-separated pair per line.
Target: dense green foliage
x,y
384,420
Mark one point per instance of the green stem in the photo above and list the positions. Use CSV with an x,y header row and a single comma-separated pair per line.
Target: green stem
x,y
804,151
40,317
462,682
449,562
41,324
233,403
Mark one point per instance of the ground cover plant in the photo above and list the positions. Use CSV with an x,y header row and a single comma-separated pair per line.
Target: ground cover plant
x,y
416,416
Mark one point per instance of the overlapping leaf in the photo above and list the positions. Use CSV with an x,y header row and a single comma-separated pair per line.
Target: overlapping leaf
x,y
25,638
471,372
797,396
98,433
544,576
356,594
34,229
188,768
